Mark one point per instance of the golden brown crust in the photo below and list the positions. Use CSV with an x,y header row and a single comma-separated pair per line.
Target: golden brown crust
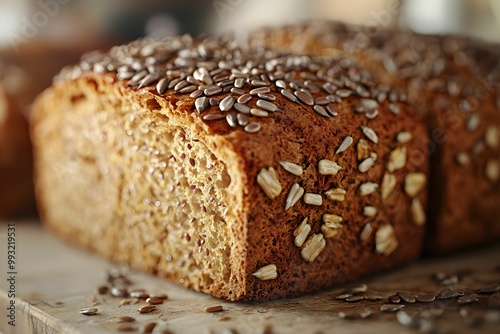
x,y
262,258
452,83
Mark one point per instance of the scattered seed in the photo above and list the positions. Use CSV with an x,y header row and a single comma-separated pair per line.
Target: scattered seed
x,y
367,188
493,170
227,103
359,289
242,108
294,195
154,301
201,103
492,136
354,299
343,296
89,311
291,167
394,299
328,167
306,99
232,120
119,292
385,240
373,297
406,297
366,232
473,123
266,273
213,117
320,111
447,294
259,112
490,289
426,298
388,184
242,119
212,91
397,159
140,294
162,85
147,327
366,164
467,299
391,307
244,98
214,309
462,158
268,181
146,309
331,110
404,137
252,127
237,91
336,194
288,95
414,183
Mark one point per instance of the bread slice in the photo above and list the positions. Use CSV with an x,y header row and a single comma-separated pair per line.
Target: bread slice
x,y
453,84
212,166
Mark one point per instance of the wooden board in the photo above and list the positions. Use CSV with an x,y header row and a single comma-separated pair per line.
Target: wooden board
x,y
55,280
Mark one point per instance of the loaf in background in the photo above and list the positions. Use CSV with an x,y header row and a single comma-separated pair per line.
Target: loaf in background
x,y
453,82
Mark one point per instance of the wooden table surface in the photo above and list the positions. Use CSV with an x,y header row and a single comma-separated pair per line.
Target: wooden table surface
x,y
54,281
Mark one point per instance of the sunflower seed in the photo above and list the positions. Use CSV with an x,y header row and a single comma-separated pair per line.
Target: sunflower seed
x,y
301,233
242,119
188,89
227,103
180,85
391,307
244,98
288,95
238,91
281,84
154,301
370,134
331,110
146,309
494,300
140,294
134,81
148,327
306,99
89,311
491,136
344,145
366,105
367,188
366,232
328,167
373,297
369,211
213,309
344,93
385,240
201,103
268,181
213,117
239,82
417,212
336,194
119,292
354,299
394,108
261,90
321,101
291,167
126,328
232,120
242,108
266,105
162,85
212,91
332,225
252,127
467,299
493,170
394,299
414,183
473,123
320,111
313,199
397,159
294,195
366,164
404,137
343,296
447,294
259,112
313,247
266,273
406,297
490,289
125,319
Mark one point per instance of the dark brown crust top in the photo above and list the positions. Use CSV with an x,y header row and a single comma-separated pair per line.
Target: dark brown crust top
x,y
320,118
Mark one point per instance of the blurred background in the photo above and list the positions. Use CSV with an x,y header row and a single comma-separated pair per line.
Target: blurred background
x,y
39,37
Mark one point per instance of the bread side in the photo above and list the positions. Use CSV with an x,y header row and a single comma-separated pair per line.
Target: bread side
x,y
451,82
215,195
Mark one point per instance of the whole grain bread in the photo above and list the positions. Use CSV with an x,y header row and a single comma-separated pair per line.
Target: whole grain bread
x,y
453,82
246,174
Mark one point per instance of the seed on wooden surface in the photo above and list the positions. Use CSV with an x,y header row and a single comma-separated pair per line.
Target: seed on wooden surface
x,y
291,167
490,289
425,298
268,181
405,319
336,194
494,300
126,328
301,233
347,315
394,299
158,295
313,247
266,273
467,299
447,294
359,289
406,297
89,311
343,296
140,294
391,307
328,167
154,301
147,327
213,309
373,297
119,292
354,299
147,309
344,145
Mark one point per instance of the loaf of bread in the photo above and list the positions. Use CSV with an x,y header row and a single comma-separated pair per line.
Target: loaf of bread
x,y
453,82
246,174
